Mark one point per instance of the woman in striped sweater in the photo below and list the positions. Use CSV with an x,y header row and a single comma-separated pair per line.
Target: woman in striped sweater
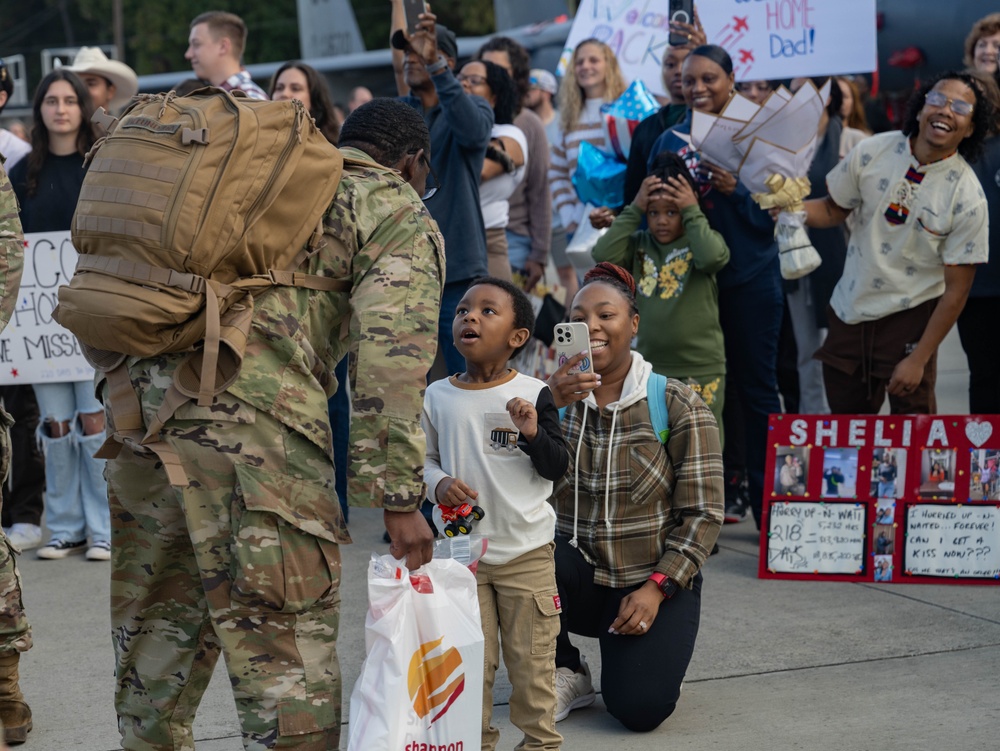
x,y
592,79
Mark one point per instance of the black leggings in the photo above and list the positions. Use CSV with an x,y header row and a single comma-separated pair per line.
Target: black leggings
x,y
641,676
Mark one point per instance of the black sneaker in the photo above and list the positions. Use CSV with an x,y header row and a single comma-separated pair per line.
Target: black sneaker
x,y
736,511
56,549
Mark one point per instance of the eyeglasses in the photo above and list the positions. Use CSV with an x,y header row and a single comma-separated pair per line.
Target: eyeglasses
x,y
472,79
429,192
958,106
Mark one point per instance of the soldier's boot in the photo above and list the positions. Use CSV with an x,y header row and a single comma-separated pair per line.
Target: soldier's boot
x,y
14,710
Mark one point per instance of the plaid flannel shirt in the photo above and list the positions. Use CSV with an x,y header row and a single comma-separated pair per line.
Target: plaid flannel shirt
x,y
664,508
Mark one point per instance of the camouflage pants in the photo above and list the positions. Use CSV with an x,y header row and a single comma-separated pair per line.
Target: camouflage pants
x,y
245,561
15,633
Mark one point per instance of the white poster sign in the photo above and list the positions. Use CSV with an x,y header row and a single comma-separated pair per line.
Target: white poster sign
x,y
821,538
767,39
950,540
33,347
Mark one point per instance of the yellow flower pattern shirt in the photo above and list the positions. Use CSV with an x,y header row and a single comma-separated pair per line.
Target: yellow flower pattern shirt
x,y
670,276
678,299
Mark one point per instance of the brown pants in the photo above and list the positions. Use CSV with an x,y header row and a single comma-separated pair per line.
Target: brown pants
x,y
858,361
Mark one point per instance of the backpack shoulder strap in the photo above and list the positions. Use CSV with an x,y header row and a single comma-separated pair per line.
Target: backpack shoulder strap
x,y
656,398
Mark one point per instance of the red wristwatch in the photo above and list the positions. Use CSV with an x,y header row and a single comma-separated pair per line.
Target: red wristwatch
x,y
667,588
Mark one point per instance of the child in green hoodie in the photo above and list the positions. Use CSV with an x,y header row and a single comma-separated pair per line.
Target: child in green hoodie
x,y
674,262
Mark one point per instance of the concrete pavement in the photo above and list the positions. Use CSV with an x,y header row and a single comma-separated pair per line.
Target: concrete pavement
x,y
779,665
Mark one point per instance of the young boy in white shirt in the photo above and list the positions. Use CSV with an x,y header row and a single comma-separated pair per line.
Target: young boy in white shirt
x,y
493,439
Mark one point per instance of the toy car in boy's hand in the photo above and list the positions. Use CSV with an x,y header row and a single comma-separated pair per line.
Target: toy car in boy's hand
x,y
459,520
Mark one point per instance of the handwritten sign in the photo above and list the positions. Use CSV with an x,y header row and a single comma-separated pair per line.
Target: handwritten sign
x,y
946,540
928,487
765,38
787,38
33,347
807,538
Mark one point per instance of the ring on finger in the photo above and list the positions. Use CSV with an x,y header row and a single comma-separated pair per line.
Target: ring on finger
x,y
642,625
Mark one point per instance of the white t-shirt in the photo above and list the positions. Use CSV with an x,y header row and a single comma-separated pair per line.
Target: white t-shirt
x,y
470,436
12,148
895,265
493,194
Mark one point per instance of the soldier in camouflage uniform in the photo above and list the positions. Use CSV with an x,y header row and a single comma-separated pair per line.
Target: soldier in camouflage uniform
x,y
15,633
244,560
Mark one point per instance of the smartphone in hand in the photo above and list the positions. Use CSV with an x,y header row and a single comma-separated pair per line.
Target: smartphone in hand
x,y
572,339
681,11
413,9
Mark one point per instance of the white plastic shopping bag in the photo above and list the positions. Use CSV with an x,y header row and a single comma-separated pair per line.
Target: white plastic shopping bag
x,y
421,684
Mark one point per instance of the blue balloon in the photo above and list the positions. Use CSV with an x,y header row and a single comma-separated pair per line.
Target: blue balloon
x,y
599,178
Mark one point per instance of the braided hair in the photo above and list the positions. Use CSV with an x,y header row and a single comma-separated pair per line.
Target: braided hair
x,y
614,276
386,130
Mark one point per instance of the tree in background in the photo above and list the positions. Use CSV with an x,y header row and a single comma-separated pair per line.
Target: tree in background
x,y
156,33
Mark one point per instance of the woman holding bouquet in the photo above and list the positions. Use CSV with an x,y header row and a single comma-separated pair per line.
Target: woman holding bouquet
x,y
751,301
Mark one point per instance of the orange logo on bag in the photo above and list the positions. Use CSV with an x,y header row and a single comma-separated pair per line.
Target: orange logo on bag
x,y
427,676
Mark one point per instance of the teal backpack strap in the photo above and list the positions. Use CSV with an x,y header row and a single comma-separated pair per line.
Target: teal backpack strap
x,y
656,398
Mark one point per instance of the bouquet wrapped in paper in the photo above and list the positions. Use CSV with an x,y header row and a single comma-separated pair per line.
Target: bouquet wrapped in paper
x,y
770,147
599,178
796,253
625,113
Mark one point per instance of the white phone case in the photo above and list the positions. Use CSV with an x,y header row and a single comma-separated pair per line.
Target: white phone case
x,y
572,339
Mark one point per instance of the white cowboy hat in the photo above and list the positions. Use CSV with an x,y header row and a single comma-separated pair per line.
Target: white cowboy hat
x,y
93,60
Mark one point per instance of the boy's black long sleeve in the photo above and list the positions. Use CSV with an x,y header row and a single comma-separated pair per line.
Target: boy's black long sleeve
x,y
548,451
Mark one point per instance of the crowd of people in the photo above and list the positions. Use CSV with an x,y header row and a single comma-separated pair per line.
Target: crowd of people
x,y
454,199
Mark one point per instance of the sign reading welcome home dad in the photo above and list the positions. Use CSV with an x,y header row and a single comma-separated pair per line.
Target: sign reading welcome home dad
x,y
33,347
892,498
765,38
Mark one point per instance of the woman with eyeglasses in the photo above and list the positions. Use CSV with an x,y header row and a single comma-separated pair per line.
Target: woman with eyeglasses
x,y
47,183
506,156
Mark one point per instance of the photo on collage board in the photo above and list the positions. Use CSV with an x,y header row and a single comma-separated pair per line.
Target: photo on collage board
x,y
885,509
888,478
884,539
984,477
937,473
791,471
883,568
840,473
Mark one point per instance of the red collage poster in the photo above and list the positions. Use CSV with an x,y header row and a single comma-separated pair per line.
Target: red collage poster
x,y
888,498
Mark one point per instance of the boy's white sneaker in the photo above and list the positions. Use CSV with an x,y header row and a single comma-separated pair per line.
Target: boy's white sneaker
x,y
573,690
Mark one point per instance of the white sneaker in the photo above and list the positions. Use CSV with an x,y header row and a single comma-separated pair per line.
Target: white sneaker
x,y
100,550
573,690
25,536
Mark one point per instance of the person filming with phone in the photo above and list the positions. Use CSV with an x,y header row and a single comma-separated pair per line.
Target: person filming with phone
x,y
424,56
637,514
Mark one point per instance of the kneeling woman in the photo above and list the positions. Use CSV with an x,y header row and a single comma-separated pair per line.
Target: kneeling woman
x,y
636,518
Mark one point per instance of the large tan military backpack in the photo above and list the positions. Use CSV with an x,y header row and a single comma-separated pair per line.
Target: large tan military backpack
x,y
190,207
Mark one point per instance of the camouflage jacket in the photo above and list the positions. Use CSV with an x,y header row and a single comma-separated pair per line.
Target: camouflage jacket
x,y
378,234
12,251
